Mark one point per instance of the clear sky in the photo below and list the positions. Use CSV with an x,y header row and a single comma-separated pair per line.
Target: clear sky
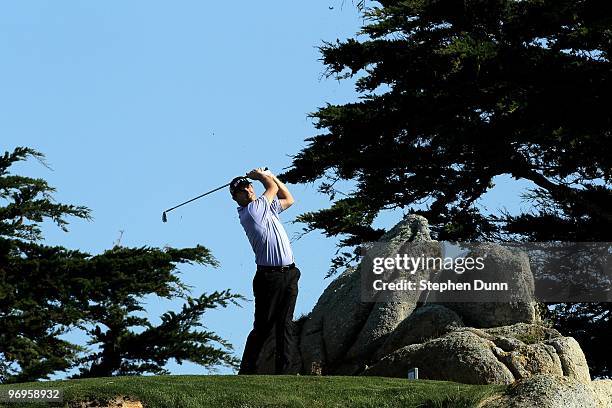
x,y
141,105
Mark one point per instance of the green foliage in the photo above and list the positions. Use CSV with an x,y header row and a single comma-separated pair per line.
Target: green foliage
x,y
455,93
45,291
118,279
36,304
30,200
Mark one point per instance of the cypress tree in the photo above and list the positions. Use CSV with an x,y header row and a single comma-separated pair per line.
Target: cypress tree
x,y
46,291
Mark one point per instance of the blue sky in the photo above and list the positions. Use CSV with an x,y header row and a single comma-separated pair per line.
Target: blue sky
x,y
141,105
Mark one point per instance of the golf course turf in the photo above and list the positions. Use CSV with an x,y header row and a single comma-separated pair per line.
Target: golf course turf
x,y
197,391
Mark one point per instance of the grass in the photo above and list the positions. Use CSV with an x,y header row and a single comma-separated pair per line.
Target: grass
x,y
191,391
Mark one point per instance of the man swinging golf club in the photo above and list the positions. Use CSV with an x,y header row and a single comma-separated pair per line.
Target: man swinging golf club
x,y
275,285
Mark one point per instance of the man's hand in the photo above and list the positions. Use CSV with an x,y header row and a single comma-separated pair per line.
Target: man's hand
x,y
267,180
284,196
258,173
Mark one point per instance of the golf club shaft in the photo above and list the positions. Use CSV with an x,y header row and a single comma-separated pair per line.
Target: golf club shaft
x,y
201,195
195,198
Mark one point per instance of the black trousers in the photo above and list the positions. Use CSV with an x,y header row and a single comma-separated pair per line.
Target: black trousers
x,y
275,293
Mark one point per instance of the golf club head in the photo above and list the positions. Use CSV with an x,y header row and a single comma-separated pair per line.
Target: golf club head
x,y
164,218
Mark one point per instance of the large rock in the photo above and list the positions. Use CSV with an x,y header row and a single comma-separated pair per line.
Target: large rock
x,y
572,358
460,356
603,392
355,331
332,326
489,314
547,391
488,356
500,265
341,323
390,309
526,360
429,321
525,350
525,332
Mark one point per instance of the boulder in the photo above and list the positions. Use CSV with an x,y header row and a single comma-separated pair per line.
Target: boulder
x,y
525,332
424,323
332,326
489,314
492,310
354,330
487,356
526,360
390,309
603,392
546,391
342,329
460,356
572,358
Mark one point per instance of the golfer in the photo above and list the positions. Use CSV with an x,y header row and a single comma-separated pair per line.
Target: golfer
x,y
275,285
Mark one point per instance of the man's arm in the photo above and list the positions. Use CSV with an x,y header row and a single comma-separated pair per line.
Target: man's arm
x,y
266,180
284,196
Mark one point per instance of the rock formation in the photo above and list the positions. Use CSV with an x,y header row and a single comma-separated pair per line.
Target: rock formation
x,y
468,342
550,391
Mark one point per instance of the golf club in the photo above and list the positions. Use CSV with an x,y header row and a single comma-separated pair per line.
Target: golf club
x,y
165,218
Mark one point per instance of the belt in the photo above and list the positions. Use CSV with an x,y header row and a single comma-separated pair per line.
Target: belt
x,y
279,268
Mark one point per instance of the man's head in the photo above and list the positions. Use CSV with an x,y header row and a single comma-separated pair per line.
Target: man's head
x,y
242,191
